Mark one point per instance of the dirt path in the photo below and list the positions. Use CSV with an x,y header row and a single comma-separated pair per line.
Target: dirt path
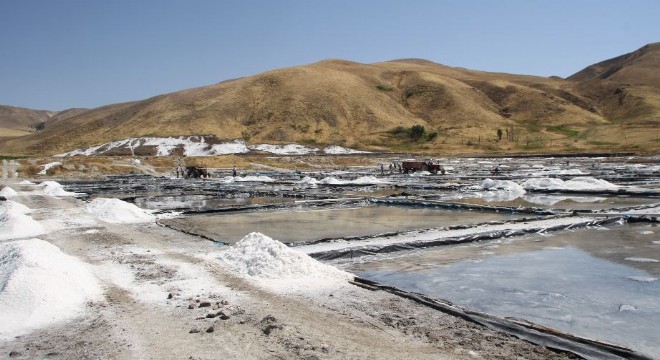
x,y
166,298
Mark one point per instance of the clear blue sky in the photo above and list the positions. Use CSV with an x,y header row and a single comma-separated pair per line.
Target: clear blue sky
x,y
58,54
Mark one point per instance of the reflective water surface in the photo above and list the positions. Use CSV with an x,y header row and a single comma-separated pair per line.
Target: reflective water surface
x,y
596,283
314,224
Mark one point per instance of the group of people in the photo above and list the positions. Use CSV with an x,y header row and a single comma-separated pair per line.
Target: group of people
x,y
392,167
186,173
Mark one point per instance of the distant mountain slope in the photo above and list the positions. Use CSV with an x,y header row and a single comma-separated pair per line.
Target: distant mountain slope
x,y
640,67
372,107
21,120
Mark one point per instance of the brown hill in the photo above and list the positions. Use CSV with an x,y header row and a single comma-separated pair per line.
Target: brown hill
x,y
374,106
639,67
16,121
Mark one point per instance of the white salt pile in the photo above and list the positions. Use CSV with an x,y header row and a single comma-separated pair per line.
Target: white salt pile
x,y
48,166
15,223
40,285
118,211
53,188
330,180
577,184
501,190
272,264
364,180
8,192
308,180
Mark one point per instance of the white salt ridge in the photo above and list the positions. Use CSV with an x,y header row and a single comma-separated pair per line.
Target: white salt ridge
x,y
8,192
646,232
551,200
15,223
26,182
548,172
580,183
364,180
260,178
273,264
641,259
645,279
338,150
53,188
308,180
118,211
48,166
40,286
331,180
291,149
249,178
197,146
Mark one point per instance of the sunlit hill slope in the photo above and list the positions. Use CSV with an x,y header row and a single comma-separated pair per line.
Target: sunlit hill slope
x,y
610,106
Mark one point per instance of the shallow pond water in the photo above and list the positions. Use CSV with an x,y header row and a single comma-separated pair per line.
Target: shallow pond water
x,y
315,224
568,202
203,202
596,283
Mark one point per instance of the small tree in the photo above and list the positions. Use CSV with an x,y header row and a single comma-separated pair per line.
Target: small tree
x,y
499,134
416,132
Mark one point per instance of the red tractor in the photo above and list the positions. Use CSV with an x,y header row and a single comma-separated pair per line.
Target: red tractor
x,y
427,165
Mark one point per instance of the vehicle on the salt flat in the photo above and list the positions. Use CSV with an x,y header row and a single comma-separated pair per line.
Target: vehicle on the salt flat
x,y
408,166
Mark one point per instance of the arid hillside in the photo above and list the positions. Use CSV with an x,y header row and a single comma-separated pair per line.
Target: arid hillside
x,y
16,121
375,106
639,67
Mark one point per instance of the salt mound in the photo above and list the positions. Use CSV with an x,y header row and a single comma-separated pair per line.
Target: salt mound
x,y
252,178
580,183
330,180
40,285
8,192
368,180
118,211
15,223
502,190
334,149
53,188
260,257
308,181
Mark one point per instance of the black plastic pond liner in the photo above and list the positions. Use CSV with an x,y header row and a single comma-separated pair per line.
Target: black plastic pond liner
x,y
618,192
374,249
417,231
540,335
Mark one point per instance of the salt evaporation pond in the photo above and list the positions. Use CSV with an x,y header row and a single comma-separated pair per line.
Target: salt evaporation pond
x,y
203,202
572,202
595,283
315,224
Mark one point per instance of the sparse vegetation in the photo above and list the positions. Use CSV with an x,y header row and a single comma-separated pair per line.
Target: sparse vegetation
x,y
246,135
563,129
382,87
415,133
